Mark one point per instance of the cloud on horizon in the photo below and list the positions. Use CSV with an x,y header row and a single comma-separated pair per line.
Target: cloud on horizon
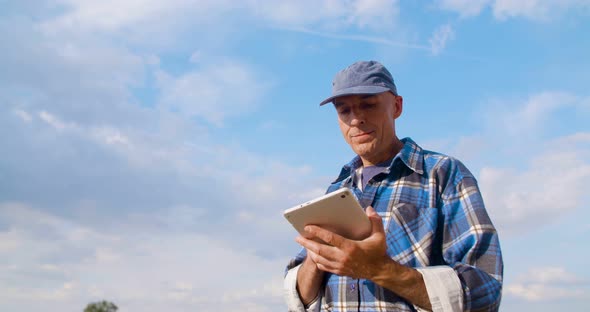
x,y
543,284
535,10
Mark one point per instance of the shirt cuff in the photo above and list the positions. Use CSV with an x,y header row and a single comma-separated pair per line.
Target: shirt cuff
x,y
294,303
443,287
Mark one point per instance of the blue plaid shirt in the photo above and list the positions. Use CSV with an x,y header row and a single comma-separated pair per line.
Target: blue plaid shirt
x,y
433,214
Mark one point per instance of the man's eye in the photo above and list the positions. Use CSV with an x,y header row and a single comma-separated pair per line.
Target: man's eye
x,y
344,111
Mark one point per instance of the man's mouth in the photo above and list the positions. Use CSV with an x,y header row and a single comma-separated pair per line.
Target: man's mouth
x,y
362,134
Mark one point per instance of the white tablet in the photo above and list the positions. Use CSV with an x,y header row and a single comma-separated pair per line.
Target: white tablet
x,y
338,212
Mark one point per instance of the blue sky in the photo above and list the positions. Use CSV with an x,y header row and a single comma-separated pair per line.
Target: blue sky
x,y
150,147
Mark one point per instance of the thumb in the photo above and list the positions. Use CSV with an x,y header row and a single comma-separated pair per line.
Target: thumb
x,y
376,222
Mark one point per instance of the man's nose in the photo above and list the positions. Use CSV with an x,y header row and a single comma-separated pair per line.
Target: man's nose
x,y
357,117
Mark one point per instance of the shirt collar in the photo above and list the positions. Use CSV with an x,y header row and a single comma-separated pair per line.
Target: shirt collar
x,y
411,155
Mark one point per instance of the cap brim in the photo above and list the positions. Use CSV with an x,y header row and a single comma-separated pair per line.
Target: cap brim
x,y
354,91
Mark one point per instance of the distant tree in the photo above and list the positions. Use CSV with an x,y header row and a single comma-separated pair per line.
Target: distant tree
x,y
102,306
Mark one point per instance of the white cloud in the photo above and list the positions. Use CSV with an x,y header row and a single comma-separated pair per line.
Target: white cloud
x,y
364,38
155,15
54,121
139,147
537,10
112,136
553,185
532,167
374,13
160,152
465,8
526,121
544,174
26,117
75,76
192,270
116,15
547,284
213,93
440,37
372,21
328,14
169,178
9,241
536,111
547,275
82,42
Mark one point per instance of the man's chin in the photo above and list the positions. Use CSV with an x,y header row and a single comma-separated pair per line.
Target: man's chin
x,y
364,150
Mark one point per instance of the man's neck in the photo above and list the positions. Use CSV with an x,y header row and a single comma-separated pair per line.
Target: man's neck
x,y
388,154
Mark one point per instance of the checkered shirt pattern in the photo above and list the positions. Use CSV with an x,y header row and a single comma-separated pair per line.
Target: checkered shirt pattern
x,y
433,214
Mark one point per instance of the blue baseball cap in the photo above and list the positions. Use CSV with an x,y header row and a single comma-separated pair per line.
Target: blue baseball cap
x,y
363,77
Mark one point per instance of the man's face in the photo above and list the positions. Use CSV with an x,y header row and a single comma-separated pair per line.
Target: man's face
x,y
367,123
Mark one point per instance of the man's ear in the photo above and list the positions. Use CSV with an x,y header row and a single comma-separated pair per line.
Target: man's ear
x,y
398,105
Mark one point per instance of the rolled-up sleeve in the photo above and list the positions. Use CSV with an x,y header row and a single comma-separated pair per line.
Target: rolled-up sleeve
x,y
294,303
443,287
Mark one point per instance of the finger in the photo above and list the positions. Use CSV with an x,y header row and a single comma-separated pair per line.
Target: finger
x,y
327,268
328,237
311,245
322,263
370,211
376,221
309,237
323,251
307,243
314,257
306,234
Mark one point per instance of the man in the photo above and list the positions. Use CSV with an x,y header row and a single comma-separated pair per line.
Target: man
x,y
432,245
